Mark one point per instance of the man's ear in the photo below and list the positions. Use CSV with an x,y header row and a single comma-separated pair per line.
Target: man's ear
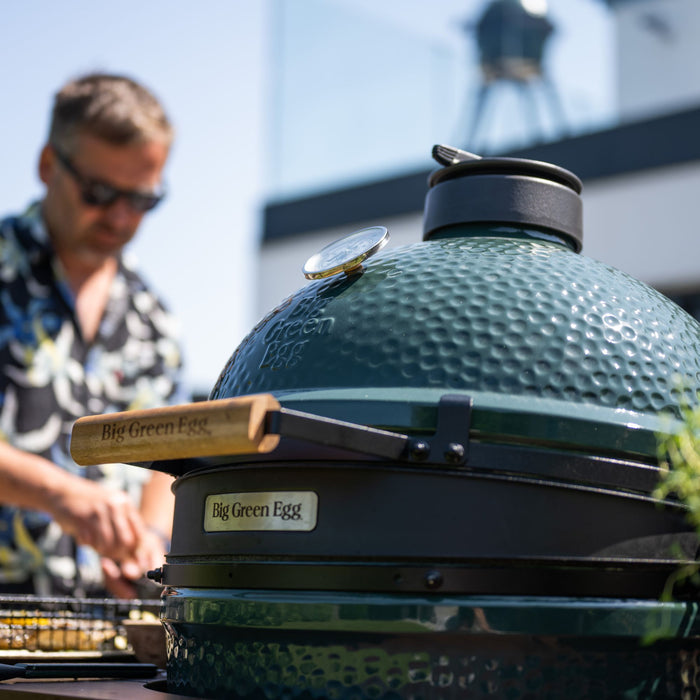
x,y
47,163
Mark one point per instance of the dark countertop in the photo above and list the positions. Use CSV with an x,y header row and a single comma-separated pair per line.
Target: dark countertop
x,y
124,689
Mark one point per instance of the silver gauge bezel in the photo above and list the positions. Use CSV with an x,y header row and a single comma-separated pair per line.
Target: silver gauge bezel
x,y
347,253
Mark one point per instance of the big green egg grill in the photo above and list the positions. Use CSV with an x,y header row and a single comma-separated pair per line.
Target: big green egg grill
x,y
460,501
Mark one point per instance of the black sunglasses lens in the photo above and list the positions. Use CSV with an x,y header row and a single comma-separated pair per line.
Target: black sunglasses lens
x,y
143,202
97,194
100,195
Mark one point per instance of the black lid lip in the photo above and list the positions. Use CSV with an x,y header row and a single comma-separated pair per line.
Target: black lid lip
x,y
505,199
507,166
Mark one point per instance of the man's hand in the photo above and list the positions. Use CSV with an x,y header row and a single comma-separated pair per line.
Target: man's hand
x,y
120,578
103,519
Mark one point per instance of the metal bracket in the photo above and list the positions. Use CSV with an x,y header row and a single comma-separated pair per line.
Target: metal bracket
x,y
450,442
448,445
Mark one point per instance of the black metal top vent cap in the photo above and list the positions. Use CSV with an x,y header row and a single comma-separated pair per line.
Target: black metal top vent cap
x,y
508,191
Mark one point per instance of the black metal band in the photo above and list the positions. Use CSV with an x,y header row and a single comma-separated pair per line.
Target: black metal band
x,y
605,578
507,200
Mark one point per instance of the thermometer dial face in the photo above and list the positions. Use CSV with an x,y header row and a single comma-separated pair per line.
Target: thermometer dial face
x,y
347,253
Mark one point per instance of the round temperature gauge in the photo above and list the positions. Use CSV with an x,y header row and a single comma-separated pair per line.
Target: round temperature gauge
x,y
347,253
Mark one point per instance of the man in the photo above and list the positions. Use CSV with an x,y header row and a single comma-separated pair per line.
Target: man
x,y
80,334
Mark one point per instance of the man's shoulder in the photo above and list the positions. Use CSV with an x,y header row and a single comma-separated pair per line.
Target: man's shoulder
x,y
26,228
10,225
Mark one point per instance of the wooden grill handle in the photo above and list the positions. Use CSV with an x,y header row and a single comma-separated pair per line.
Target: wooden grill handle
x,y
202,429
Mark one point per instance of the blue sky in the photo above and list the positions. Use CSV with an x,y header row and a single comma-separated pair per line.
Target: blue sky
x,y
209,62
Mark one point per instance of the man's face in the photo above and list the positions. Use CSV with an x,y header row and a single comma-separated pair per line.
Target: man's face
x,y
88,233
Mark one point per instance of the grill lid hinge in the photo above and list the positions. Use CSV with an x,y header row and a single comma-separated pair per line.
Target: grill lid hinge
x,y
450,442
448,445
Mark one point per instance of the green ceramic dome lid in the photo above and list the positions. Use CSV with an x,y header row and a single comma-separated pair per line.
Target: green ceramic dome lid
x,y
524,325
553,346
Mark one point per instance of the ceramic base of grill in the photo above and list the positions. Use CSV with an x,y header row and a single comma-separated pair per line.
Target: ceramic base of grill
x,y
264,644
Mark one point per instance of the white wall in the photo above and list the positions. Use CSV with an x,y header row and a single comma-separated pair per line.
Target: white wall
x,y
647,224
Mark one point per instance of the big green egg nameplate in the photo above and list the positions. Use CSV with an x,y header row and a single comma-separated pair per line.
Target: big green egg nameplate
x,y
262,510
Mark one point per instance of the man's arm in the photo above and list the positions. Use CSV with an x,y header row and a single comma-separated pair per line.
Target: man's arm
x,y
157,504
105,520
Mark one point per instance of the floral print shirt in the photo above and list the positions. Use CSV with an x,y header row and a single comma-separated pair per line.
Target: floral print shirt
x,y
50,376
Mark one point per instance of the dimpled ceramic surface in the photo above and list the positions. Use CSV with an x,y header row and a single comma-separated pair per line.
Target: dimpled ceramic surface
x,y
500,312
248,645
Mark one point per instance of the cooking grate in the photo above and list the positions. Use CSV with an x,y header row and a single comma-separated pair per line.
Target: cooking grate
x,y
36,624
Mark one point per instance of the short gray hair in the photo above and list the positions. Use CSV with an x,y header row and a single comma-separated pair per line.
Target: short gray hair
x,y
114,108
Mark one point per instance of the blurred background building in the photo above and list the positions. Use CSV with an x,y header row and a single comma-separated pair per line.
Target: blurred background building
x,y
607,89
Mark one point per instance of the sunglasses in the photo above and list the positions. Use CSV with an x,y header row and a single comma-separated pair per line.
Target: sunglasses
x,y
96,193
